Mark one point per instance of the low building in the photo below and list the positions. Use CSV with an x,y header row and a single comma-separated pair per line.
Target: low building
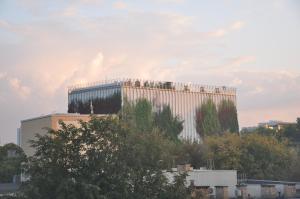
x,y
39,125
270,189
218,183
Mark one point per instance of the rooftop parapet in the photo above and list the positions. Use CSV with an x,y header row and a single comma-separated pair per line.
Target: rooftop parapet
x,y
167,85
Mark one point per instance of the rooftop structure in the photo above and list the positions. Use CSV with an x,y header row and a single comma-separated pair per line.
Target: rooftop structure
x,y
108,97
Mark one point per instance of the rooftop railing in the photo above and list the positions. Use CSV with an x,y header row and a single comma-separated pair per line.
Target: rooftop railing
x,y
140,83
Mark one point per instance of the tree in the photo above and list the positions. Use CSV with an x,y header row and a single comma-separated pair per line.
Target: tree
x,y
291,132
191,153
227,114
100,159
143,115
225,151
170,125
298,123
11,158
258,156
265,157
207,122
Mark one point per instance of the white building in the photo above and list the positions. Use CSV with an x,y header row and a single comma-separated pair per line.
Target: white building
x,y
108,97
207,178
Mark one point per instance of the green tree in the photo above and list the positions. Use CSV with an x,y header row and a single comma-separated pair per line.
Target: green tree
x,y
191,153
258,156
207,122
265,157
11,158
298,123
225,151
291,132
143,115
227,114
100,159
170,125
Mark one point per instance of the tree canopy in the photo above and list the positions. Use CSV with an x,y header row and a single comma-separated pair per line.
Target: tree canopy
x,y
258,156
227,114
143,115
168,124
11,158
207,122
100,159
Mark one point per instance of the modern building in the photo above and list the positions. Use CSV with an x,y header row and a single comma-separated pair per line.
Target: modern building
x,y
183,98
39,125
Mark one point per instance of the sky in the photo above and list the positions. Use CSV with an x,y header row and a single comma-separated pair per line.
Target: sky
x,y
46,46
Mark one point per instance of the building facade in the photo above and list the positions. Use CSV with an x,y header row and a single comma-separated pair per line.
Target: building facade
x,y
107,97
39,125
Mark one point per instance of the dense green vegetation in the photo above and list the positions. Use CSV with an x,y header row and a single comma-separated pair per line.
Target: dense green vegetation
x,y
125,156
171,126
11,157
207,122
227,115
211,120
101,159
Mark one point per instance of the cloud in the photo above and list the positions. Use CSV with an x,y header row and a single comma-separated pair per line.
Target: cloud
x,y
237,25
217,33
70,11
22,90
92,71
120,5
238,61
170,1
2,75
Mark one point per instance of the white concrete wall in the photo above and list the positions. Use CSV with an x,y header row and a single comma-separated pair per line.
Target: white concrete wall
x,y
211,178
254,190
182,103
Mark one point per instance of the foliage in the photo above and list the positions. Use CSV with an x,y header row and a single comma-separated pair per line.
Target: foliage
x,y
141,118
100,159
207,122
10,164
191,153
298,123
291,132
265,157
267,132
143,115
225,151
227,114
259,156
170,125
108,105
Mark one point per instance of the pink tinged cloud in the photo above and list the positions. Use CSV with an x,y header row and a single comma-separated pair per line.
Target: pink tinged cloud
x,y
22,90
119,5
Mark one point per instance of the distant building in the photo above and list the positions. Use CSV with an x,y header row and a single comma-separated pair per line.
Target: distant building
x,y
38,125
273,124
108,97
